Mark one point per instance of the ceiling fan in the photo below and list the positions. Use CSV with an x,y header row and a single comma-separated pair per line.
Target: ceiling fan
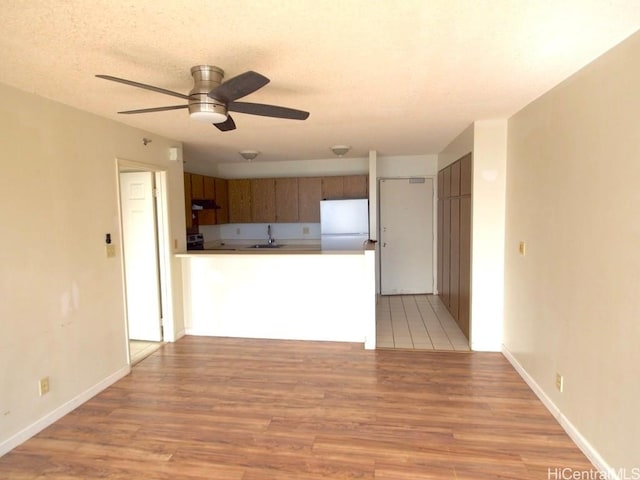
x,y
210,100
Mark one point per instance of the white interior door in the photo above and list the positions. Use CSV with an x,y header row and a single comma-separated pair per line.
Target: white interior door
x,y
406,236
141,256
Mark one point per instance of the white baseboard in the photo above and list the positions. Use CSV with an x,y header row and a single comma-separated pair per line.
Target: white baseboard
x,y
61,411
583,444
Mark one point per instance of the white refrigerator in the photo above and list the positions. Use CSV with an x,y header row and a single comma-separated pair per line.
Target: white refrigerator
x,y
344,224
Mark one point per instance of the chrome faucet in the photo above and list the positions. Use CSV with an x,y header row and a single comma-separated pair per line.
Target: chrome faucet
x,y
270,239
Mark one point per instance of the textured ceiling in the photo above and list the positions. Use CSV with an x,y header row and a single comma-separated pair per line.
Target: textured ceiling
x,y
400,77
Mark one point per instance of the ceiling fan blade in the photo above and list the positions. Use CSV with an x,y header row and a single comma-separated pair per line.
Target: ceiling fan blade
x,y
239,86
227,125
267,110
143,85
154,109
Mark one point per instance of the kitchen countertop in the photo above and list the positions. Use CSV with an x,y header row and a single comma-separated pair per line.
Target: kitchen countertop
x,y
283,249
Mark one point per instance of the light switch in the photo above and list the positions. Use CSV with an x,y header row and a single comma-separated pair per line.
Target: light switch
x,y
523,248
111,250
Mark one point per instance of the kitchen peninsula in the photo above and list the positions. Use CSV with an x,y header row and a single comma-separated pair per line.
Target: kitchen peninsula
x,y
291,293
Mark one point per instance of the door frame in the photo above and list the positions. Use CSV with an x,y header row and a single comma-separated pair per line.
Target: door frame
x,y
164,246
434,227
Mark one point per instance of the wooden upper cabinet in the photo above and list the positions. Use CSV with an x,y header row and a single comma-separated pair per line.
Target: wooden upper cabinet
x,y
286,200
454,187
309,196
222,200
197,186
187,200
345,186
209,188
441,184
239,201
465,175
208,215
332,188
263,200
356,186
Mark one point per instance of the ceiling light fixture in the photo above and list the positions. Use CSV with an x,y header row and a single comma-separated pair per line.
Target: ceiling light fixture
x,y
249,154
340,150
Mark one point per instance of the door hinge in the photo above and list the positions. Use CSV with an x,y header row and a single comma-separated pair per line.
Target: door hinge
x,y
155,192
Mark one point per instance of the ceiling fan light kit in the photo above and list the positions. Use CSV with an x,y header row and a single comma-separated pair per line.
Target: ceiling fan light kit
x,y
201,107
211,100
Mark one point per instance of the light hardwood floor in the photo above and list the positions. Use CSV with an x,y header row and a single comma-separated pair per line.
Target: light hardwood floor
x,y
236,409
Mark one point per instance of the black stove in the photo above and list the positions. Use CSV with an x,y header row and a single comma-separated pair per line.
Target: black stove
x,y
195,241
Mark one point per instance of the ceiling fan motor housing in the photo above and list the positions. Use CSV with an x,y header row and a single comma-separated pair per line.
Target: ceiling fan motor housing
x,y
205,79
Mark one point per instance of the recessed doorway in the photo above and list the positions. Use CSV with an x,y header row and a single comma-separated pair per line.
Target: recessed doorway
x,y
145,250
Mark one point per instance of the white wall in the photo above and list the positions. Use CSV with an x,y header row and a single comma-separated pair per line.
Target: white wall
x,y
62,310
457,148
296,168
407,166
572,303
256,232
487,141
487,232
326,296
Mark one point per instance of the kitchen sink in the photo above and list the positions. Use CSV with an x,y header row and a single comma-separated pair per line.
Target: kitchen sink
x,y
265,245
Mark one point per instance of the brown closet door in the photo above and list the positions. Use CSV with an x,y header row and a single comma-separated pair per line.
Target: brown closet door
x,y
440,243
454,187
465,265
454,255
446,236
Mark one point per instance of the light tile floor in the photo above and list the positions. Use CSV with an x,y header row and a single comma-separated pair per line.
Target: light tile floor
x,y
140,350
419,322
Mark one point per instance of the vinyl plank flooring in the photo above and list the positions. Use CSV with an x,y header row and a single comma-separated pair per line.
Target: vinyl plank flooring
x,y
243,409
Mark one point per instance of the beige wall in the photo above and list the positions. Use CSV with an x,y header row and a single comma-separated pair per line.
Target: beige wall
x,y
487,141
62,310
572,304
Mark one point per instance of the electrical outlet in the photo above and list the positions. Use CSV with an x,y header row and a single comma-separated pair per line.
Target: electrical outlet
x,y
238,231
175,243
111,250
43,385
559,382
523,248
305,230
